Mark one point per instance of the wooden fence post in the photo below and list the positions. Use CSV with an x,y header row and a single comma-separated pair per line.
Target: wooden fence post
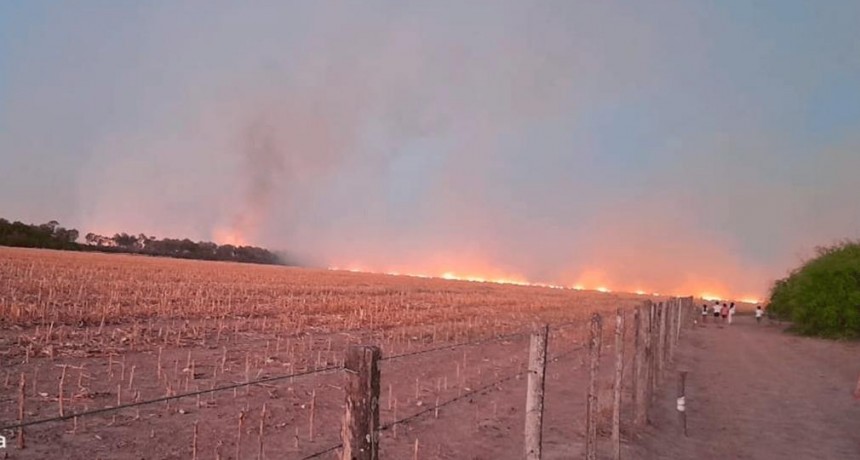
x,y
670,330
591,402
535,392
682,402
690,314
857,390
639,369
676,316
616,390
652,352
361,418
676,303
661,341
22,390
655,345
693,313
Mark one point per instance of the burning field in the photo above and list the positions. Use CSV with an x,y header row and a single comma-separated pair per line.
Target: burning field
x,y
83,332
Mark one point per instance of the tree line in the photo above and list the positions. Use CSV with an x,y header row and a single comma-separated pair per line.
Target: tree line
x,y
52,235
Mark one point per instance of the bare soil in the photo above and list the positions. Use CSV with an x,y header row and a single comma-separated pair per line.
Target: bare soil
x,y
757,392
753,392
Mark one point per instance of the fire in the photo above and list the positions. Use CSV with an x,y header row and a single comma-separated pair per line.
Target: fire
x,y
229,236
483,279
590,280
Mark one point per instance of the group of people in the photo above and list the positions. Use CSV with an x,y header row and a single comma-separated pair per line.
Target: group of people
x,y
726,312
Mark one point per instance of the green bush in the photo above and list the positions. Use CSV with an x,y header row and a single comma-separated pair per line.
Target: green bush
x,y
822,297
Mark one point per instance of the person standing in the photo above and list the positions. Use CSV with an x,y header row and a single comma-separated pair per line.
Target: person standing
x,y
731,312
758,314
724,312
716,311
704,313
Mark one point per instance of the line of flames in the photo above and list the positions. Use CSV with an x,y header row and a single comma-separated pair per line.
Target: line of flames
x,y
232,236
517,282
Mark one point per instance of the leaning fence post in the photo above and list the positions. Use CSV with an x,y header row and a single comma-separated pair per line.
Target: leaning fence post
x,y
535,392
616,390
639,370
591,402
361,417
682,402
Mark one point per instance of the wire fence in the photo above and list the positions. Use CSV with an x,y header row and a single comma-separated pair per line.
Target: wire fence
x,y
650,357
147,402
455,346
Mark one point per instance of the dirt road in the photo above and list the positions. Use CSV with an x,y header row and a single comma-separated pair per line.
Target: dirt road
x,y
754,392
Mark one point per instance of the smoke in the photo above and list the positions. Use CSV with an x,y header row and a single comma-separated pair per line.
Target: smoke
x,y
602,144
263,166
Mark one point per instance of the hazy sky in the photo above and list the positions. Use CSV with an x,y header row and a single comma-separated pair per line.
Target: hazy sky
x,y
666,146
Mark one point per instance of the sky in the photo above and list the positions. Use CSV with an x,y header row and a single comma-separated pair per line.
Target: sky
x,y
684,147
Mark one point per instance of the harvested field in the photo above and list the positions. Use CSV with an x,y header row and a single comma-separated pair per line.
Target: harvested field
x,y
89,331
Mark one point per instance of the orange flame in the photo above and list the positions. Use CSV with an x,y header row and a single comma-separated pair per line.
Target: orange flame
x,y
590,280
229,236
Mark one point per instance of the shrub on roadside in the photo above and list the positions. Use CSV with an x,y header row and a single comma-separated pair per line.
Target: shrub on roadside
x,y
822,297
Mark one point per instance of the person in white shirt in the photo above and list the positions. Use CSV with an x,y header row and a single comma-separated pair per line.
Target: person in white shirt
x,y
758,314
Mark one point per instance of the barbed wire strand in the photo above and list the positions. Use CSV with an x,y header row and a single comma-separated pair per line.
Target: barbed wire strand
x,y
323,452
454,346
265,380
567,324
169,398
553,327
388,426
431,408
565,354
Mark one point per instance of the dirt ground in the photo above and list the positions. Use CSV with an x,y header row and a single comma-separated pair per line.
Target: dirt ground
x,y
765,395
485,425
755,392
